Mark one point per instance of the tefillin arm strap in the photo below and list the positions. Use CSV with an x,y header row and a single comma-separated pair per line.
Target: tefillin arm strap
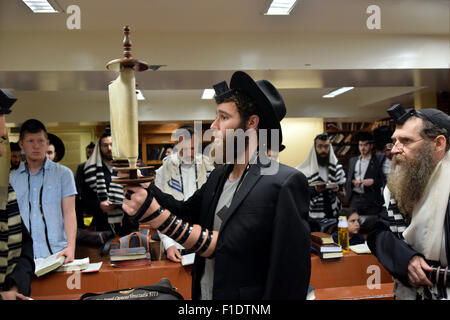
x,y
191,236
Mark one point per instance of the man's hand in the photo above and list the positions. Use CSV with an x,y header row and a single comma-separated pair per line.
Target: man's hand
x,y
356,183
368,182
320,188
132,205
107,206
69,253
416,274
173,254
13,294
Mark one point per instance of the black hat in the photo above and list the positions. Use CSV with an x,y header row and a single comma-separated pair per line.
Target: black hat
x,y
365,136
436,117
382,134
59,146
7,99
270,103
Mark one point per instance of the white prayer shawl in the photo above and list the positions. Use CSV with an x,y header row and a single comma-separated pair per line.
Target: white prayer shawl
x,y
173,181
425,233
336,174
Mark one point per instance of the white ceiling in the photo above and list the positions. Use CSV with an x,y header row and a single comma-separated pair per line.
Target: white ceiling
x,y
59,75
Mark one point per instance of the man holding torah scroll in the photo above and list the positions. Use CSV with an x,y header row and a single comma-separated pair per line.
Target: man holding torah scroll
x,y
257,241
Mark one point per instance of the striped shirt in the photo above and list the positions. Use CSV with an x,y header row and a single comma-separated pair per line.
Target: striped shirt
x,y
10,236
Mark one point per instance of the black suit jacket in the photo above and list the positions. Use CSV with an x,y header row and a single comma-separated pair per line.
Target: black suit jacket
x,y
263,248
374,171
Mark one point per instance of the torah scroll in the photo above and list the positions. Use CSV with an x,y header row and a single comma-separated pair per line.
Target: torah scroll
x,y
123,114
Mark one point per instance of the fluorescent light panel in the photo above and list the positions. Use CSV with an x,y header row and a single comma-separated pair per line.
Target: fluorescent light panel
x,y
139,94
40,6
337,92
281,7
208,94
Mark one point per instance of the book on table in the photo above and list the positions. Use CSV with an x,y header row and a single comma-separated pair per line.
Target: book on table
x,y
75,265
327,255
362,248
331,247
48,264
132,263
128,254
321,237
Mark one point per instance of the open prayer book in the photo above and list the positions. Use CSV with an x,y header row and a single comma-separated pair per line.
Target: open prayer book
x,y
82,265
360,248
77,264
46,265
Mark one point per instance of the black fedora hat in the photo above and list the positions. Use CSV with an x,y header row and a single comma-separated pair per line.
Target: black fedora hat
x,y
270,103
59,146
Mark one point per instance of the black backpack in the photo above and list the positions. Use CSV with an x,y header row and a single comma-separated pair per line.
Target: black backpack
x,y
163,290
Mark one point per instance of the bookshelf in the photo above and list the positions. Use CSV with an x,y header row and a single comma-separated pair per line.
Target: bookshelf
x,y
343,137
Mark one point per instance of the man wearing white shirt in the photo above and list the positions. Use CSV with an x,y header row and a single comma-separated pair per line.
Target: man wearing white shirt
x,y
181,174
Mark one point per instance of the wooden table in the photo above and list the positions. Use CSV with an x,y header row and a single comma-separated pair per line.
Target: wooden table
x,y
335,279
66,286
348,278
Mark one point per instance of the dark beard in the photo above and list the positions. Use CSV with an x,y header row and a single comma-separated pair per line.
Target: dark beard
x,y
107,157
408,178
323,161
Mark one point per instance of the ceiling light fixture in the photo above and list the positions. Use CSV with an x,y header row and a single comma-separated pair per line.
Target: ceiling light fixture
x,y
40,6
280,7
337,92
139,94
208,94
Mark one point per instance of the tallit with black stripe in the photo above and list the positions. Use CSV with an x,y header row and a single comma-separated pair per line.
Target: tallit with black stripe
x,y
10,237
336,174
94,177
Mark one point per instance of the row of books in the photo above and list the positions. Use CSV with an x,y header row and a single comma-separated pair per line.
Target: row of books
x,y
339,137
342,150
353,126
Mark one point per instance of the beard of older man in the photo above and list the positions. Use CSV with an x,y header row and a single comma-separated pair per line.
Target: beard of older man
x,y
408,178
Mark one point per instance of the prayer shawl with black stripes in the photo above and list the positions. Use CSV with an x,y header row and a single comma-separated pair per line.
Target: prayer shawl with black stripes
x,y
10,237
336,174
94,177
425,231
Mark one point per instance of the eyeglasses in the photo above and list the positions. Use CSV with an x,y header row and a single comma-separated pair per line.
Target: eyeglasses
x,y
406,143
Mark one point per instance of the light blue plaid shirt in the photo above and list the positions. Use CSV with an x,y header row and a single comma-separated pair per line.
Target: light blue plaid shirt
x,y
58,184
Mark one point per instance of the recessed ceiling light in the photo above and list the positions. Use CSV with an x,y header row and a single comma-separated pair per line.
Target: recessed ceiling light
x,y
40,6
208,94
337,92
139,94
280,7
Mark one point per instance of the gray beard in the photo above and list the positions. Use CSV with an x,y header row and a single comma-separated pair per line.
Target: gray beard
x,y
408,178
